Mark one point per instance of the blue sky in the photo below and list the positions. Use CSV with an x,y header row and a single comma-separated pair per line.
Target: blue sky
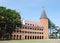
x,y
31,9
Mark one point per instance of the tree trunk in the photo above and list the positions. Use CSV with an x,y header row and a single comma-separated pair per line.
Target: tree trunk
x,y
59,35
56,35
50,33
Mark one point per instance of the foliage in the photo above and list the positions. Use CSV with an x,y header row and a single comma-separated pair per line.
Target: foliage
x,y
54,30
9,19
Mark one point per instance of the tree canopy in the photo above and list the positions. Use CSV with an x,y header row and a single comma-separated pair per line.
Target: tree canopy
x,y
9,19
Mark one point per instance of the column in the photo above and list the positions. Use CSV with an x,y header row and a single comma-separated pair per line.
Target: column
x,y
26,37
29,37
35,37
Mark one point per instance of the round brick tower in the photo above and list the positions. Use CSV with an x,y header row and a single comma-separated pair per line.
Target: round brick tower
x,y
44,23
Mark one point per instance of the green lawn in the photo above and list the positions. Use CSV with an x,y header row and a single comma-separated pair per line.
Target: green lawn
x,y
32,41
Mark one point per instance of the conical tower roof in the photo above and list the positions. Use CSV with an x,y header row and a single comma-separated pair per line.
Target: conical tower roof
x,y
43,14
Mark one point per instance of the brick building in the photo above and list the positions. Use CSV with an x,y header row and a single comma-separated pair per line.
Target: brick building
x,y
33,30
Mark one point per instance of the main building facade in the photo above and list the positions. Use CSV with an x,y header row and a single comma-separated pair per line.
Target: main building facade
x,y
33,30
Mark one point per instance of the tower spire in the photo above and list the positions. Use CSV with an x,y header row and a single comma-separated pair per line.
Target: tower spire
x,y
43,13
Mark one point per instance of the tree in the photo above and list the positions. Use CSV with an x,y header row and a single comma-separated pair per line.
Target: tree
x,y
51,27
54,30
9,19
58,32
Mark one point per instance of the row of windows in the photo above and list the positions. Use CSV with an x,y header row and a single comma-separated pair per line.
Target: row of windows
x,y
32,32
33,28
29,32
30,24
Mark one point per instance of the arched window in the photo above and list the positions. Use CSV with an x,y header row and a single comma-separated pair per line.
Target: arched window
x,y
14,36
17,36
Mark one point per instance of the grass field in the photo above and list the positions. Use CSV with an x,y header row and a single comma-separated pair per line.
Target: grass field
x,y
32,41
